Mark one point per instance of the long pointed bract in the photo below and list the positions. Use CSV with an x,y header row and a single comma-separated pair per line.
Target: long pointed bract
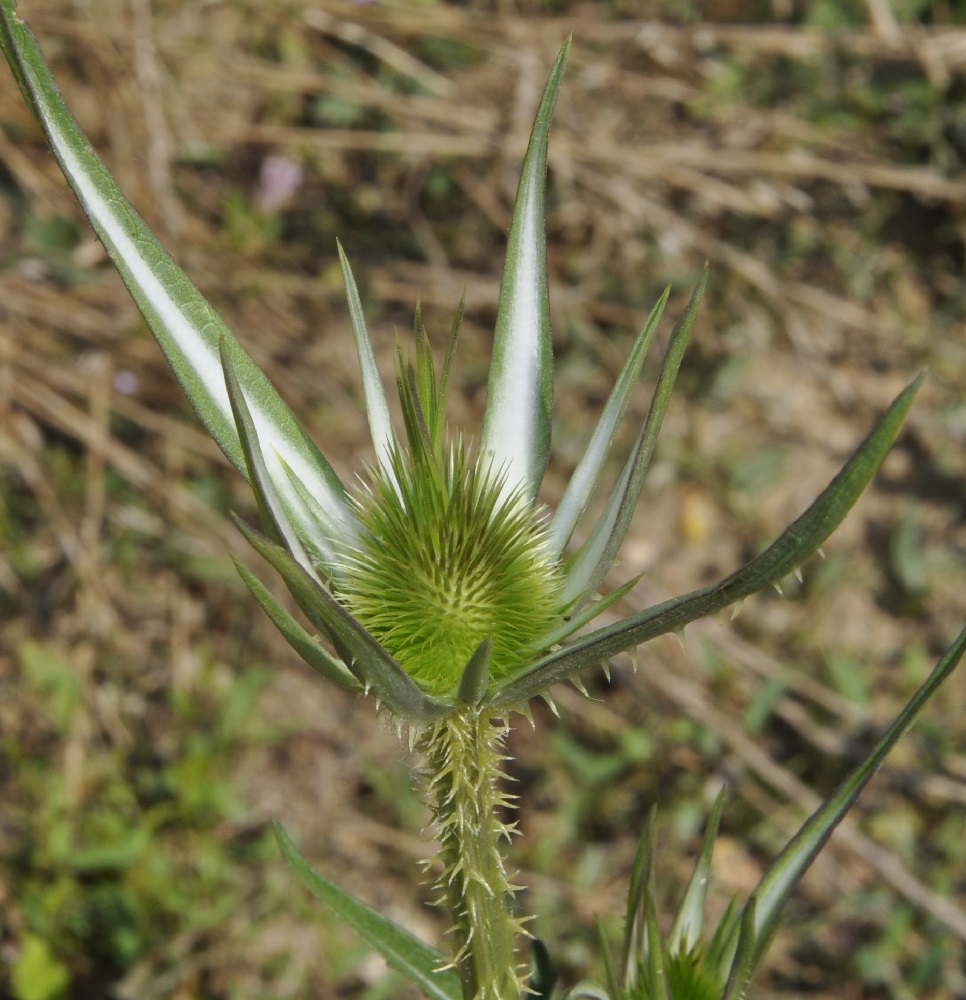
x,y
516,428
785,554
377,408
584,479
274,516
689,922
186,327
592,563
315,655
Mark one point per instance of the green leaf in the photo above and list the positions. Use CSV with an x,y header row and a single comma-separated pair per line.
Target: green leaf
x,y
593,562
658,987
377,408
587,614
613,987
403,952
274,516
516,428
724,941
184,324
782,877
347,532
316,656
792,547
476,674
689,922
439,418
362,654
635,933
657,979
584,479
743,965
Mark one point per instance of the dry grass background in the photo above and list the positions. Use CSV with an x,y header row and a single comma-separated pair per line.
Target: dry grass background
x,y
820,170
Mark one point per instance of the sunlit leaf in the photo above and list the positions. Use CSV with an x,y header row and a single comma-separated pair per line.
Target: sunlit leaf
x,y
584,479
186,327
593,562
689,922
792,547
516,428
274,515
380,426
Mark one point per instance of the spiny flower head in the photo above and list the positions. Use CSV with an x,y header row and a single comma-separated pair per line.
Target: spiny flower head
x,y
494,621
446,558
444,562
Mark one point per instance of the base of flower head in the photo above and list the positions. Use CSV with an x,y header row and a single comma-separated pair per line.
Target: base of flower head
x,y
464,758
445,561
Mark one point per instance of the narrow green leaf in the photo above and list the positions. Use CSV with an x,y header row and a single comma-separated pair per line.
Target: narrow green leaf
x,y
613,988
332,527
584,480
792,547
417,425
689,922
782,877
587,614
443,392
426,375
581,569
316,656
658,986
639,887
405,953
743,966
274,515
516,428
301,586
476,674
377,408
186,327
362,654
724,941
593,562
657,979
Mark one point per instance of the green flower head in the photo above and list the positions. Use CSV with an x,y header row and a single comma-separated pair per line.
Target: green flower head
x,y
444,563
441,583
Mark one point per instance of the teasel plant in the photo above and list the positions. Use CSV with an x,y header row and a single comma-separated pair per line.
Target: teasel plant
x,y
444,591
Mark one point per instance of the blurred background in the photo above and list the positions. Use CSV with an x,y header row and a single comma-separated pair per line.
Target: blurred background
x,y
152,723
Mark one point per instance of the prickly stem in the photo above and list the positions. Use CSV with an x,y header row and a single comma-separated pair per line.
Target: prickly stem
x,y
464,758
